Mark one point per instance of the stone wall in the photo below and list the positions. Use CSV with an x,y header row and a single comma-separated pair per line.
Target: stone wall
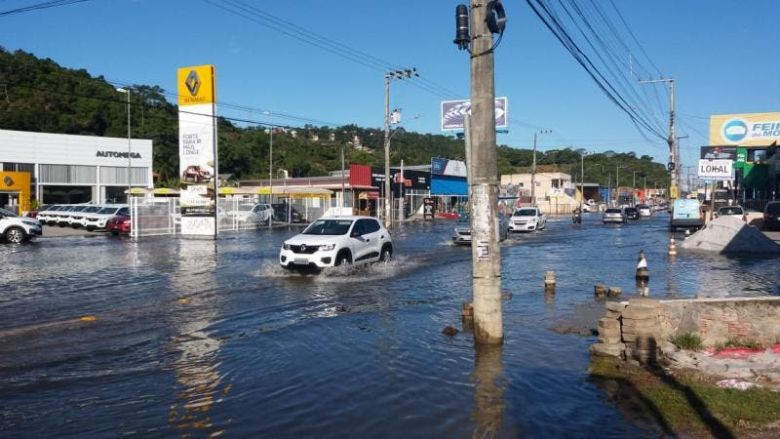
x,y
634,329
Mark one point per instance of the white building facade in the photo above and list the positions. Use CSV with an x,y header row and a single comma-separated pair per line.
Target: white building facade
x,y
69,169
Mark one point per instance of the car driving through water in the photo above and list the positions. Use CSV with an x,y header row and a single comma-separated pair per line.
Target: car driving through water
x,y
334,241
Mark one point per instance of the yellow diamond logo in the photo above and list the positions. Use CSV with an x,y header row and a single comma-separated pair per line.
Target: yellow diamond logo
x,y
192,83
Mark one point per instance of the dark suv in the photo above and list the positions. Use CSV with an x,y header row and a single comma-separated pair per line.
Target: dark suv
x,y
772,215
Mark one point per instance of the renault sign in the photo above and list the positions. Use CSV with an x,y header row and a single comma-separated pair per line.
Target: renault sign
x,y
749,129
453,114
721,169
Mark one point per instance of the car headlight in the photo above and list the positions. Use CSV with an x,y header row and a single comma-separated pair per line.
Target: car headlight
x,y
327,247
286,246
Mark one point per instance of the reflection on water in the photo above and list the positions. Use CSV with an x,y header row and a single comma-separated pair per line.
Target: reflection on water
x,y
202,338
489,402
196,352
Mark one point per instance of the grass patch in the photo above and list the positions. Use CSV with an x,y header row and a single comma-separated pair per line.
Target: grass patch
x,y
743,343
689,341
687,402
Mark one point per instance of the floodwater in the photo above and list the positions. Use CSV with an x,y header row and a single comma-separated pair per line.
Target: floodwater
x,y
167,337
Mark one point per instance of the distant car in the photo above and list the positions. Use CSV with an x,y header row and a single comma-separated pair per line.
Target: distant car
x,y
631,213
772,215
259,213
334,241
587,208
644,210
15,229
731,211
78,219
119,224
462,234
195,174
614,215
45,214
280,212
527,219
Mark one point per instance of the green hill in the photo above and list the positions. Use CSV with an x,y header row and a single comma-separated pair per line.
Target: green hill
x,y
40,95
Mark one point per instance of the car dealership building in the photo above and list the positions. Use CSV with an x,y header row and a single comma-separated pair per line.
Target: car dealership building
x,y
72,168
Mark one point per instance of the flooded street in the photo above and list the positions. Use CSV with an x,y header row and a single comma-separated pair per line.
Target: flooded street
x,y
164,336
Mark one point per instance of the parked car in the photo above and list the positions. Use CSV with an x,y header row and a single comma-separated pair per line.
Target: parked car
x,y
731,211
631,213
119,224
334,241
772,215
99,220
280,213
46,216
686,214
15,229
462,233
644,210
77,219
613,215
527,219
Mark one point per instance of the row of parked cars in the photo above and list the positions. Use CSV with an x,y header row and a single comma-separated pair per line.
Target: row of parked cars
x,y
623,214
87,216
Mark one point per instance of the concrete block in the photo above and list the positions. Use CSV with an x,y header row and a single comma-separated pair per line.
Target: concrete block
x,y
607,350
615,306
605,323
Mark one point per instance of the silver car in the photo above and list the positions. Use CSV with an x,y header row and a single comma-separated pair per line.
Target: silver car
x,y
614,215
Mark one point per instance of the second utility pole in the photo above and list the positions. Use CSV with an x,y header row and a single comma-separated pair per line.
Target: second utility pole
x,y
485,252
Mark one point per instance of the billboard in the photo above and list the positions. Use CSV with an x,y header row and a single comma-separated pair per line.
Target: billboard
x,y
196,124
197,148
721,169
747,129
453,168
719,152
454,112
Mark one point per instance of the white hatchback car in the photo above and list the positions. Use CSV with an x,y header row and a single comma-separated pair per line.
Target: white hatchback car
x,y
333,241
527,219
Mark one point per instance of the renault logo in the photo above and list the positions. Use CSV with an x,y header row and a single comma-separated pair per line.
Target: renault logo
x,y
303,247
192,83
8,181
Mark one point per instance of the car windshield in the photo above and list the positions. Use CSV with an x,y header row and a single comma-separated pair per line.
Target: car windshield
x,y
7,213
630,210
613,211
107,211
328,227
643,206
92,209
525,212
730,211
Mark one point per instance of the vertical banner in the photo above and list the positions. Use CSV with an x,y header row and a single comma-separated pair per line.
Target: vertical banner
x,y
197,147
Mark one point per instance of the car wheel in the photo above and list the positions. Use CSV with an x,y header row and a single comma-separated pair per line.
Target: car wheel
x,y
115,233
15,235
387,253
343,258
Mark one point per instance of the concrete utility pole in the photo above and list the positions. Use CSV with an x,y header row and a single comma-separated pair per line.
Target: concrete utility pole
x,y
533,167
486,254
396,74
672,139
126,91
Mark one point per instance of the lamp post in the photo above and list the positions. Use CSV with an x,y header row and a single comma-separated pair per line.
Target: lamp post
x,y
129,147
396,74
533,167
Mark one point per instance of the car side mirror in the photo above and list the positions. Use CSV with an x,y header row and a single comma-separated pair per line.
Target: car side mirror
x,y
355,235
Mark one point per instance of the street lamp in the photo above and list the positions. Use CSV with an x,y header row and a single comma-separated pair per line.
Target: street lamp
x,y
533,168
395,74
129,149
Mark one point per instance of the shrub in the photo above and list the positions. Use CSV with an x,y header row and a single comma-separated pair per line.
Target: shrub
x,y
689,341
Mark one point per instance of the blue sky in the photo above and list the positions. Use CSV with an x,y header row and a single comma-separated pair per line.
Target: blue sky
x,y
723,55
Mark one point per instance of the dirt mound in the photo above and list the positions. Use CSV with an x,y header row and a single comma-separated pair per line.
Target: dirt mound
x,y
729,234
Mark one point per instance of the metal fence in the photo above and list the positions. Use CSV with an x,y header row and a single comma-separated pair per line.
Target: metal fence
x,y
162,216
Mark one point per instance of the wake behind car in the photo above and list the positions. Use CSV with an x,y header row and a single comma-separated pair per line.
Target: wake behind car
x,y
333,241
527,219
15,229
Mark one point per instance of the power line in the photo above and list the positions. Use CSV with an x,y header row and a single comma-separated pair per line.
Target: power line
x,y
40,6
